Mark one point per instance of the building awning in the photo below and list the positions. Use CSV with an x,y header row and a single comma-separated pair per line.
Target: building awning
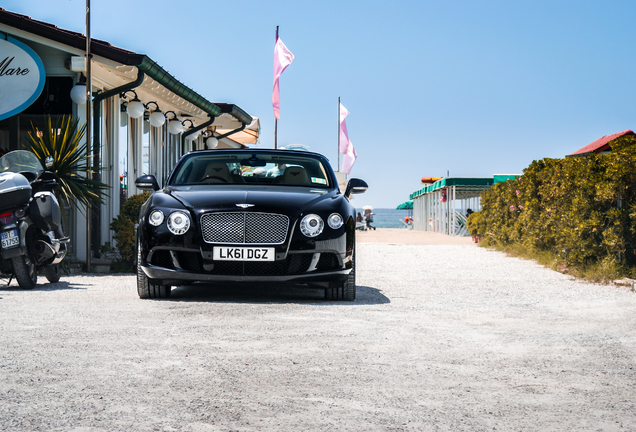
x,y
500,178
112,67
465,187
601,144
229,121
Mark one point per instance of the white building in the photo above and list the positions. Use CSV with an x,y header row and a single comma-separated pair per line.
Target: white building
x,y
124,141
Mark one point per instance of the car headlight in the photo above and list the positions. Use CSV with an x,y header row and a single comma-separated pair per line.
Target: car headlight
x,y
156,217
178,222
335,221
311,225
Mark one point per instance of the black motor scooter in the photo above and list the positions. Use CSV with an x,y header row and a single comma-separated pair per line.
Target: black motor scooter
x,y
30,220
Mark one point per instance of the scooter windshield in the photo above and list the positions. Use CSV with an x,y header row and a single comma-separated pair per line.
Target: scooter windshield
x,y
20,161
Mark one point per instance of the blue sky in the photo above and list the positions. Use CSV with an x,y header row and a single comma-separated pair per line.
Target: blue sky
x,y
470,88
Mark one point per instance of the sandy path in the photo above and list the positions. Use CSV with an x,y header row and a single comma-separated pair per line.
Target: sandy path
x,y
404,236
441,337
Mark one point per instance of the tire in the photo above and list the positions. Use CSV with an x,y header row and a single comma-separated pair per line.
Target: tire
x,y
328,292
346,291
145,288
25,272
52,273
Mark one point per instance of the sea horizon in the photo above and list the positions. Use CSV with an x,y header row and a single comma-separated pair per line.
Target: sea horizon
x,y
387,217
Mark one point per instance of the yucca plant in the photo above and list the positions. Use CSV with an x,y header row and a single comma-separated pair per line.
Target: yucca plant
x,y
63,142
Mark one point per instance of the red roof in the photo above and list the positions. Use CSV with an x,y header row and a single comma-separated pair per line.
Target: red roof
x,y
70,38
601,144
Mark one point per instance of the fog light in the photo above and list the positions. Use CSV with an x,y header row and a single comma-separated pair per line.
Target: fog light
x,y
19,213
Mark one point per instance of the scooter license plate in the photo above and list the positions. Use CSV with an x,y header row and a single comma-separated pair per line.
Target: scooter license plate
x,y
9,239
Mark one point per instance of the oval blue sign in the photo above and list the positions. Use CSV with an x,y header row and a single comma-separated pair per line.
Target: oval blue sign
x,y
22,77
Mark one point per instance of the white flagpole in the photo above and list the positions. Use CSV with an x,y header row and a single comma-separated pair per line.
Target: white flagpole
x,y
275,119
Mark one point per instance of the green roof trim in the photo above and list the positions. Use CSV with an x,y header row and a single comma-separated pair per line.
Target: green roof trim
x,y
235,112
473,186
159,74
500,178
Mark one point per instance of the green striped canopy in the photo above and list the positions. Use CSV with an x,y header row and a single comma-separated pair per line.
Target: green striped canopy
x,y
405,205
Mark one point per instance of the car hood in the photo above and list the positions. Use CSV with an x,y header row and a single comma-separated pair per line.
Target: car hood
x,y
227,198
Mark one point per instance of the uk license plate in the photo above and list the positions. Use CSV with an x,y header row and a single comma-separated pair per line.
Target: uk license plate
x,y
10,239
243,254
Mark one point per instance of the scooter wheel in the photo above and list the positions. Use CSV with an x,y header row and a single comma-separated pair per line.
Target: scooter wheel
x,y
52,273
25,272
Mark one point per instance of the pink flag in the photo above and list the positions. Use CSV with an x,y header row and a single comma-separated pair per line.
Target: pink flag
x,y
344,135
346,147
282,58
349,158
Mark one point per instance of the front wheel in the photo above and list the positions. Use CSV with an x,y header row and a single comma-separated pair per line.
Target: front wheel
x,y
25,272
52,273
145,288
347,290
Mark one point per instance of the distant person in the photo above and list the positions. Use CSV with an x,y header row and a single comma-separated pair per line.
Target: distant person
x,y
369,219
360,225
408,222
469,212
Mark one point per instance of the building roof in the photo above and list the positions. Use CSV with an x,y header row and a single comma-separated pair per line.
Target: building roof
x,y
601,144
120,66
67,37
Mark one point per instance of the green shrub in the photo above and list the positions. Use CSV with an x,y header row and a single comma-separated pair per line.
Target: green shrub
x,y
124,228
579,210
476,224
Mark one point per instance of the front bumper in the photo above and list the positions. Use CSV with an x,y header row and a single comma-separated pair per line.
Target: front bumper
x,y
173,277
323,261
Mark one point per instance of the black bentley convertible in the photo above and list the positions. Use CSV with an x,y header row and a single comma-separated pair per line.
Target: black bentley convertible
x,y
248,216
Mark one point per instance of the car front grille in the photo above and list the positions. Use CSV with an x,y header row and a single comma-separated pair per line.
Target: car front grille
x,y
244,228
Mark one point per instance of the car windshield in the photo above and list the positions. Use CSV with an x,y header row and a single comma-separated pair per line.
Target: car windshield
x,y
252,168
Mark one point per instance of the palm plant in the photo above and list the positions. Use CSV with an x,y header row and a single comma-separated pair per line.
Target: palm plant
x,y
63,142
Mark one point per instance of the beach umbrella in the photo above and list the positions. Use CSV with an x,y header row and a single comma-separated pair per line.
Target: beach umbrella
x,y
407,205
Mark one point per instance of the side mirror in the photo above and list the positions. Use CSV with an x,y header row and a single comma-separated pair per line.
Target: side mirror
x,y
355,186
147,182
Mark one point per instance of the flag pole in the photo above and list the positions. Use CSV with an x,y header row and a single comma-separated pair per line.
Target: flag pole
x,y
275,119
338,166
89,87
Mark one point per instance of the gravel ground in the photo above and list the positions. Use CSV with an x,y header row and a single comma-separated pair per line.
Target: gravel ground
x,y
441,337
